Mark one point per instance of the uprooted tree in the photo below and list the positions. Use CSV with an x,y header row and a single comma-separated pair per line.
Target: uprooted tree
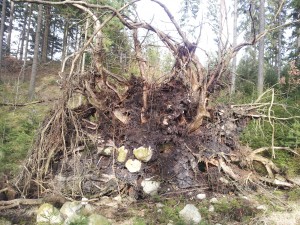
x,y
181,138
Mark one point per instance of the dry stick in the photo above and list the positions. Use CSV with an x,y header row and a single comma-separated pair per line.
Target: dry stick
x,y
27,103
272,123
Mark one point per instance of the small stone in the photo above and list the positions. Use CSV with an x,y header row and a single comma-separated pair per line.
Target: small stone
x,y
213,200
190,214
159,210
262,207
122,154
69,209
47,213
95,219
76,101
143,154
84,201
150,187
201,196
159,205
106,151
224,180
211,208
133,165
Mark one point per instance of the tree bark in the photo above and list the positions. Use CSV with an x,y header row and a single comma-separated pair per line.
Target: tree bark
x,y
85,38
36,53
65,40
26,42
279,47
46,33
11,18
260,80
53,39
3,16
23,32
234,43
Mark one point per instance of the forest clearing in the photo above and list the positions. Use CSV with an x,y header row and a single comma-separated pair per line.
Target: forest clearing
x,y
107,118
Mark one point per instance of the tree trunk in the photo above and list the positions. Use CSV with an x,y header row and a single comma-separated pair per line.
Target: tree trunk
x,y
11,18
36,53
23,32
85,38
26,42
221,27
46,33
3,16
65,40
53,39
260,83
233,72
279,50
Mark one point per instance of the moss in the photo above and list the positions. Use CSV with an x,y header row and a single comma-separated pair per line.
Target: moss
x,y
294,194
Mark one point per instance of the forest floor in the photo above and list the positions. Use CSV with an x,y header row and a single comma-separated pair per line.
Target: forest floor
x,y
265,206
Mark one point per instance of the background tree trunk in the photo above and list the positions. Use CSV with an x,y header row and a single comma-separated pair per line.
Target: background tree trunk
x,y
260,83
26,42
46,33
10,27
3,16
36,53
233,72
65,40
23,32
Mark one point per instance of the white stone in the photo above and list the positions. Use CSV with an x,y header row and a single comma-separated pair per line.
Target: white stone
x,y
133,165
69,209
213,200
201,196
262,207
84,201
159,205
150,187
211,208
122,154
190,214
224,180
143,154
47,213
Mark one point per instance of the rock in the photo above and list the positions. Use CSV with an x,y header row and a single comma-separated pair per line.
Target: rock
x,y
76,219
159,205
224,180
143,154
84,201
5,222
190,214
122,154
95,219
76,101
262,207
150,187
133,165
69,209
47,213
107,151
201,196
213,200
211,208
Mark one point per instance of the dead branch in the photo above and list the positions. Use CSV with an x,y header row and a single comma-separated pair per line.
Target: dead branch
x,y
18,202
27,103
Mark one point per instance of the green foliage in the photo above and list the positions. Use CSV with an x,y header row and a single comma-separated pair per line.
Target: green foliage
x,y
80,220
17,132
139,221
294,194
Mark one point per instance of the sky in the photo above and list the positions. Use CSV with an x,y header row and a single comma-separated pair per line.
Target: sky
x,y
154,14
